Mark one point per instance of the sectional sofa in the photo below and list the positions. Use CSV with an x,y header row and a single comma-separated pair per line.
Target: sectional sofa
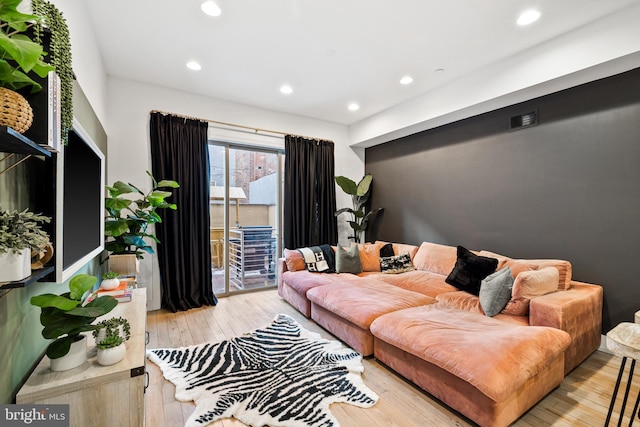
x,y
490,351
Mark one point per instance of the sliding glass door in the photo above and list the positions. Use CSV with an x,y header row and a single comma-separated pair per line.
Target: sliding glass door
x,y
245,216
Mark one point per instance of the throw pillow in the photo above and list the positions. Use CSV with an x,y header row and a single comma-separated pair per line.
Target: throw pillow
x,y
495,291
528,285
435,258
294,260
469,271
370,256
387,250
348,261
396,264
319,259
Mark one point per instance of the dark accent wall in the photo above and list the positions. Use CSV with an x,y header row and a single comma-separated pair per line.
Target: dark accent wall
x,y
567,188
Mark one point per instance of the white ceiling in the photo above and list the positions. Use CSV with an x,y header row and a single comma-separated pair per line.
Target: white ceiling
x,y
332,52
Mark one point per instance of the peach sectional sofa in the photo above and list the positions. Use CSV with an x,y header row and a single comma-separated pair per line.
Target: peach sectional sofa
x,y
492,369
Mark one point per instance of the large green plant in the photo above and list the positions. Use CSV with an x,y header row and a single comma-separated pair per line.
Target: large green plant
x,y
360,215
21,230
65,317
19,54
128,218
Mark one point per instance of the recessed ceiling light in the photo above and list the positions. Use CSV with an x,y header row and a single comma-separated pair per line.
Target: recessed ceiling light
x,y
286,89
211,8
439,70
193,65
353,107
406,80
528,17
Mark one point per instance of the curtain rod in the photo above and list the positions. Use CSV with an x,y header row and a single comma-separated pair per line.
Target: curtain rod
x,y
256,130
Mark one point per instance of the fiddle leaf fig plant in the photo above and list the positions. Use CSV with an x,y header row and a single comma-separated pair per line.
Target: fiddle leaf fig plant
x,y
130,212
360,215
66,316
19,54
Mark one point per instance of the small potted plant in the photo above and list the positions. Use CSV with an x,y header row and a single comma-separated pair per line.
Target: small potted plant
x,y
20,233
65,317
110,280
110,337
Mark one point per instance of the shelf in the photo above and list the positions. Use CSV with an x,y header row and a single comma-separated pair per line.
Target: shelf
x,y
13,142
35,276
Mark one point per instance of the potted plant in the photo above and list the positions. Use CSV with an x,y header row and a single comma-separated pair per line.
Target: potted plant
x,y
19,57
65,317
110,280
20,233
360,216
129,214
110,337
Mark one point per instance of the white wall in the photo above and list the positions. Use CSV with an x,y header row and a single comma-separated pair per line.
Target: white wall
x,y
129,104
87,62
601,49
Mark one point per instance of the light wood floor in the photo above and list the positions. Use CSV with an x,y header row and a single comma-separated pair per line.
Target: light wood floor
x,y
581,400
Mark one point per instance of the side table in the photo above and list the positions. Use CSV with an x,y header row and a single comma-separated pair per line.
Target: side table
x,y
624,341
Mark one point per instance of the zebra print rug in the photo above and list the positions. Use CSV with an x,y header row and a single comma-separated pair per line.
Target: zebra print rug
x,y
280,375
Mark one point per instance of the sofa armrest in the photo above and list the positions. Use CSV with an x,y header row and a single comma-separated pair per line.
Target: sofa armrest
x,y
578,311
281,267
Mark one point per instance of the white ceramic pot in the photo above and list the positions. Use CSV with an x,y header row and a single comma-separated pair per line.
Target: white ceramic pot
x,y
110,284
110,356
77,356
15,265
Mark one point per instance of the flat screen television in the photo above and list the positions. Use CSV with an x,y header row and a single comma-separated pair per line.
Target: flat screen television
x,y
80,203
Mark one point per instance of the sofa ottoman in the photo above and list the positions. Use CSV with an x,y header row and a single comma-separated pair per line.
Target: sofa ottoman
x,y
490,371
347,309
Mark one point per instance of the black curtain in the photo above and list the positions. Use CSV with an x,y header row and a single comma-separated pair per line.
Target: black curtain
x,y
309,193
179,151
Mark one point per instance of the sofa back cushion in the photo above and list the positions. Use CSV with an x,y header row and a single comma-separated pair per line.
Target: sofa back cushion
x,y
563,267
435,258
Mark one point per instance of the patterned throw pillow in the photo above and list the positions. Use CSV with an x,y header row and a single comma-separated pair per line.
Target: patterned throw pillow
x,y
396,264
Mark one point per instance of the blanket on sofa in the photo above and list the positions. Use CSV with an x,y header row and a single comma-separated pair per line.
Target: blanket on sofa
x,y
320,259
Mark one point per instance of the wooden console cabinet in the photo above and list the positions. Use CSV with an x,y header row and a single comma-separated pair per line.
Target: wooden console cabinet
x,y
99,396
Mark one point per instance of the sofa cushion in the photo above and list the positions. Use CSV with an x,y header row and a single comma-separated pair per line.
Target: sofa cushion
x,y
348,260
396,264
370,256
528,285
470,269
294,260
465,301
424,282
360,303
495,357
435,258
495,291
564,269
402,248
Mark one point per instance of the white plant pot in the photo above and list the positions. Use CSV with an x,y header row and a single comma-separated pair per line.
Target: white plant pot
x,y
110,356
15,265
110,284
77,356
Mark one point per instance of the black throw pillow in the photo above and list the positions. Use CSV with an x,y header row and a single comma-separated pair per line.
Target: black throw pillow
x,y
470,270
387,250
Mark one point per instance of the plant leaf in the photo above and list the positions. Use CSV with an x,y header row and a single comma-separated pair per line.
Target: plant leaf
x,y
364,185
56,301
347,185
80,284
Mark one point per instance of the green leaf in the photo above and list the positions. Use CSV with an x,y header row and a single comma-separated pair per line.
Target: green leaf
x,y
116,228
22,50
96,308
344,210
168,183
364,185
80,284
60,347
123,188
117,204
51,300
347,185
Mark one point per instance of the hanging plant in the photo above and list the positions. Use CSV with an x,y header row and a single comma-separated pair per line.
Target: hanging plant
x,y
60,54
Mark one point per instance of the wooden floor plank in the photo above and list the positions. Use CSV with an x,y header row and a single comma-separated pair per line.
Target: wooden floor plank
x,y
581,400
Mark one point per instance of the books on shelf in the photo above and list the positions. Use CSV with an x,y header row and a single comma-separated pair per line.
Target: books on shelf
x,y
122,293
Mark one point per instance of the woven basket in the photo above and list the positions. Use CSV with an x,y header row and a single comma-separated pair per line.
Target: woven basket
x,y
15,111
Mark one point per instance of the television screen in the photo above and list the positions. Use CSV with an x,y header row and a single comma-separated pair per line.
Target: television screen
x,y
80,232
